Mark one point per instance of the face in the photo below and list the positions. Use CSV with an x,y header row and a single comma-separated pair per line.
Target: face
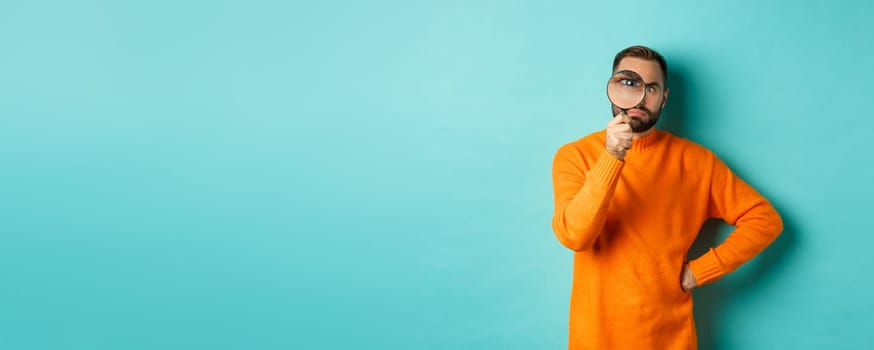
x,y
645,115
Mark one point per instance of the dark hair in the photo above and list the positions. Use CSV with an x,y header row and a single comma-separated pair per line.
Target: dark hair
x,y
643,52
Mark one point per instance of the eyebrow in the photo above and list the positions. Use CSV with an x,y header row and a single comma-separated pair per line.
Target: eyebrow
x,y
654,83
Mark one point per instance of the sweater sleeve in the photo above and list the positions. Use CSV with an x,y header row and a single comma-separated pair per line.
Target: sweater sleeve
x,y
582,196
756,223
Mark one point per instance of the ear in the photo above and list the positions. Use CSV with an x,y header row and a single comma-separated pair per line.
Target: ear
x,y
665,97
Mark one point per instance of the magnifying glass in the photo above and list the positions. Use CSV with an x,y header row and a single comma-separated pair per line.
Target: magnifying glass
x,y
626,89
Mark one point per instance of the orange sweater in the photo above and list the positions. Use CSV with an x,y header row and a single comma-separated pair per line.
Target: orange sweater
x,y
631,224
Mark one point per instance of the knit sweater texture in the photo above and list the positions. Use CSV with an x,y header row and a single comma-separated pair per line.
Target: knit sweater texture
x,y
631,224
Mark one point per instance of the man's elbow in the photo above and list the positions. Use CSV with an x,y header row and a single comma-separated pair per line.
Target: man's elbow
x,y
776,224
567,237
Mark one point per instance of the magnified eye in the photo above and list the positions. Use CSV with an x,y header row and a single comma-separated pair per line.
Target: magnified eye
x,y
629,82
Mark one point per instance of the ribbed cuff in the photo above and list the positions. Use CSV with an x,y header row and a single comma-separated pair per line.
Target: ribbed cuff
x,y
607,167
707,268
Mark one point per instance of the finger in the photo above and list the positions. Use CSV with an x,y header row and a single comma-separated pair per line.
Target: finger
x,y
625,140
623,118
615,121
624,129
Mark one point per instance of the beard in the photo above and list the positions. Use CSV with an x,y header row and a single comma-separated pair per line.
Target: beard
x,y
639,124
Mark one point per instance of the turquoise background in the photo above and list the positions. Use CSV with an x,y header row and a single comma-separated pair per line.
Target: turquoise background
x,y
376,175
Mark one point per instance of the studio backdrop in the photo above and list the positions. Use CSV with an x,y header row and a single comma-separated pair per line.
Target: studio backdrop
x,y
376,174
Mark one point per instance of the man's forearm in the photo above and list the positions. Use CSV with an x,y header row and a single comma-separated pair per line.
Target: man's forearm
x,y
579,218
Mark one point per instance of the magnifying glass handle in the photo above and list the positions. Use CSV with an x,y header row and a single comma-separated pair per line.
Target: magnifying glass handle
x,y
624,112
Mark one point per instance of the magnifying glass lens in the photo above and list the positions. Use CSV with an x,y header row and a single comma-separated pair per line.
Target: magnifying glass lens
x,y
626,89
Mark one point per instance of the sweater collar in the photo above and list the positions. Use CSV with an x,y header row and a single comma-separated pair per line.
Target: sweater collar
x,y
648,141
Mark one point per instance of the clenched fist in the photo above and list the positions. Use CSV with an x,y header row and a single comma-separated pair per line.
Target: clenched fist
x,y
687,279
619,135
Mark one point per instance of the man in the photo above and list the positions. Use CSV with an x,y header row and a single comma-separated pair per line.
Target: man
x,y
630,201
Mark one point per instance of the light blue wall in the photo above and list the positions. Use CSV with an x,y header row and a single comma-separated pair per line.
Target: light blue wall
x,y
376,175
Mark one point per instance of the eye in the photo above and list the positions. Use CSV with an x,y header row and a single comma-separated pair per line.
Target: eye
x,y
629,82
651,89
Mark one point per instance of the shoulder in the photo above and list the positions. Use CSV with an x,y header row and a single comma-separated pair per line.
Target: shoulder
x,y
593,141
693,157
687,148
582,152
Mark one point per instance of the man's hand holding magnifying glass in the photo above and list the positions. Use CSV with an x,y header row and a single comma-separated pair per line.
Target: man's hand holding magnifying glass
x,y
625,89
619,135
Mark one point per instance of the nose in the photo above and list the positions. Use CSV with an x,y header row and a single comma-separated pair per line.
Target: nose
x,y
642,101
646,97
